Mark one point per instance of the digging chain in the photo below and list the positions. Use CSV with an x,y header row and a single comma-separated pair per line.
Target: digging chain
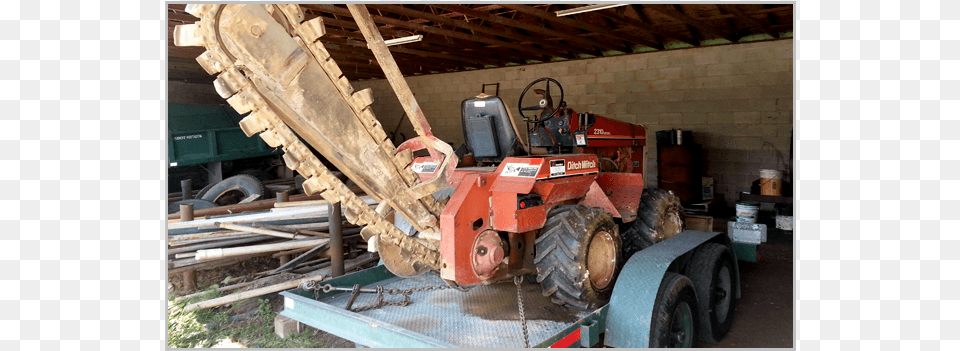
x,y
245,92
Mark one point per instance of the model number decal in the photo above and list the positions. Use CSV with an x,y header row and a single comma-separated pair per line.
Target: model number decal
x,y
600,132
182,137
520,170
425,167
557,168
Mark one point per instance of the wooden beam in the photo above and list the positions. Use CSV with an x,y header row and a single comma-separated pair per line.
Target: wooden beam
x,y
550,16
635,10
682,17
746,18
640,24
399,85
473,27
693,31
536,54
527,26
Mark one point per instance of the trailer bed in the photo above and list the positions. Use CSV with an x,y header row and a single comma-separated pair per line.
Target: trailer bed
x,y
484,316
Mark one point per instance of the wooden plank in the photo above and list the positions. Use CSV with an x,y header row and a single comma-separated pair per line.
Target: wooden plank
x,y
642,25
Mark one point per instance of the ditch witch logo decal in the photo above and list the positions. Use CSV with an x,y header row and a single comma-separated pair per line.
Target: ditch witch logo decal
x,y
581,165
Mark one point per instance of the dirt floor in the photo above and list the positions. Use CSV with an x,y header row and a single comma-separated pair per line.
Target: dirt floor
x,y
764,315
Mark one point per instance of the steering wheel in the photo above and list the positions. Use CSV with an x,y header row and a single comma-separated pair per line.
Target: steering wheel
x,y
543,102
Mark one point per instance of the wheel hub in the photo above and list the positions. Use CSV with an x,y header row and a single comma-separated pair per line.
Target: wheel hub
x,y
681,328
602,259
723,291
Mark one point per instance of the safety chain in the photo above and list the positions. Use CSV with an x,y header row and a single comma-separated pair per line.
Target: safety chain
x,y
380,301
523,321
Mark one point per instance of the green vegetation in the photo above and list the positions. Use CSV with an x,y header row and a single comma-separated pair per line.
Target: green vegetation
x,y
207,327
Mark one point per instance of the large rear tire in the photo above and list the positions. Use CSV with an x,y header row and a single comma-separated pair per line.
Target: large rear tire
x,y
711,270
674,321
659,217
578,256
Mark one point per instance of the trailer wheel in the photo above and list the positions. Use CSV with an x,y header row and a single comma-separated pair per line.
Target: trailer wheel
x,y
578,256
711,270
231,190
659,216
674,321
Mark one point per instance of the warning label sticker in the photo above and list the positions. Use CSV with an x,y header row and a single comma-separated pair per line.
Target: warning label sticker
x,y
425,167
520,170
581,140
557,168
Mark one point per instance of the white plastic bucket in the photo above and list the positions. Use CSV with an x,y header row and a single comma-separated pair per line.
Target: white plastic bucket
x,y
770,182
747,211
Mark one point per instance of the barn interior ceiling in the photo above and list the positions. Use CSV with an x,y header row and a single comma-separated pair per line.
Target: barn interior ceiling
x,y
459,37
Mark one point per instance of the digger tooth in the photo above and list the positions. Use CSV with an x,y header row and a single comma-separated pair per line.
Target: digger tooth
x,y
237,89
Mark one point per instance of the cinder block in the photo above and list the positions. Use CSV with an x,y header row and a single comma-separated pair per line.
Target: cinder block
x,y
617,109
694,118
670,95
682,59
693,71
285,326
625,76
606,98
586,79
577,69
634,62
670,118
595,67
706,58
721,69
720,117
660,85
658,62
668,73
647,118
708,82
616,88
647,74
623,98
742,80
559,70
785,130
605,77
682,84
575,90
752,117
638,87
599,109
615,66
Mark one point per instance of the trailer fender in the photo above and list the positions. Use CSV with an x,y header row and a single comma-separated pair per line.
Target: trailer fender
x,y
631,304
